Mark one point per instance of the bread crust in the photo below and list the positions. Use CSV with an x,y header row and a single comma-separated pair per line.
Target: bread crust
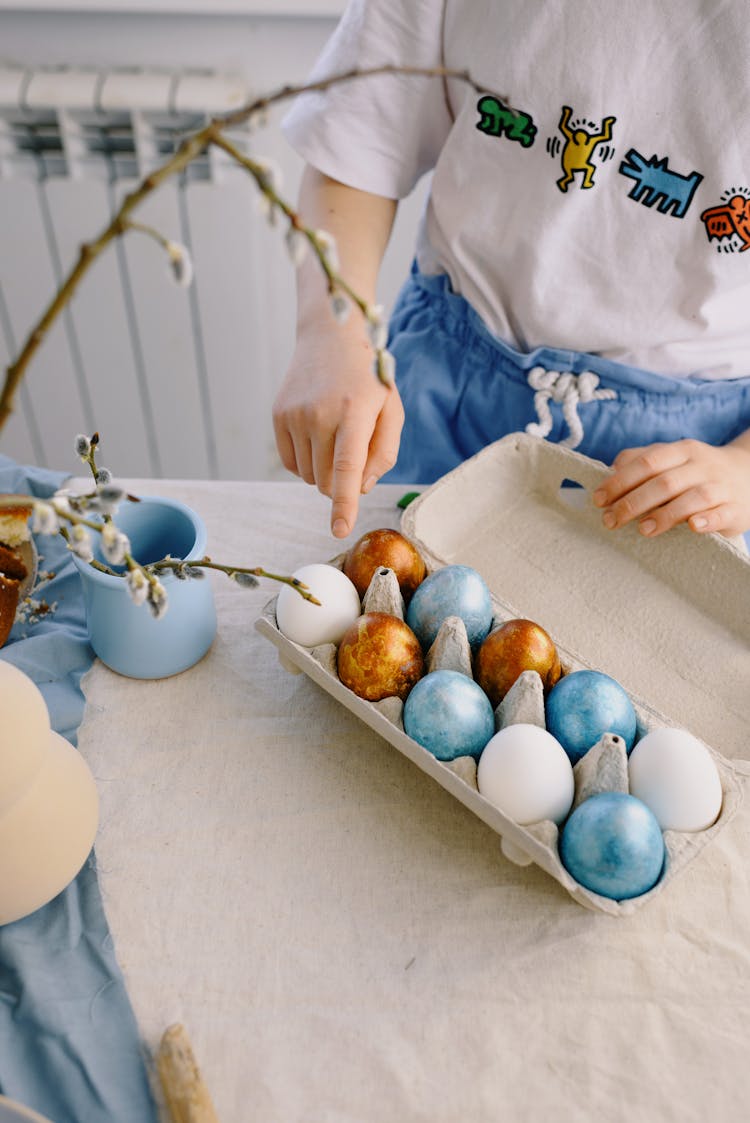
x,y
9,593
12,564
12,572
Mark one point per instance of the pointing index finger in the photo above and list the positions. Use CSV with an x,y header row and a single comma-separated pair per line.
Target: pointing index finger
x,y
349,459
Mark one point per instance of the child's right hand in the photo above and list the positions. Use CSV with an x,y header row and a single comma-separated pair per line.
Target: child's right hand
x,y
336,425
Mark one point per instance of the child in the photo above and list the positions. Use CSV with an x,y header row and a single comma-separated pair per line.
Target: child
x,y
579,267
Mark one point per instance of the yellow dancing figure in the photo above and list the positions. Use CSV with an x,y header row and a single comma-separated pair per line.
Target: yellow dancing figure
x,y
579,148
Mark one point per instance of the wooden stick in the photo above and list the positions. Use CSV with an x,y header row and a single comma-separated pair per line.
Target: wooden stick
x,y
187,1096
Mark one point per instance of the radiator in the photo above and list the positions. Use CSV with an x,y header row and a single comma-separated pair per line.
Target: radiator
x,y
178,382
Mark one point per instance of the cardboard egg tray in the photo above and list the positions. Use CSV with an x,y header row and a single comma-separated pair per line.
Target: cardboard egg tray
x,y
668,618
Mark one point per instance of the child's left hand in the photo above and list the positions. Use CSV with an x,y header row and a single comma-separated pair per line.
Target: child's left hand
x,y
661,485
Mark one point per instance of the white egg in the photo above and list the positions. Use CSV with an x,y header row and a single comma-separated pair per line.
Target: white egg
x,y
526,773
674,774
312,624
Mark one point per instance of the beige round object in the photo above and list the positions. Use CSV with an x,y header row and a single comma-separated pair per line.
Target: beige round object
x,y
47,834
24,733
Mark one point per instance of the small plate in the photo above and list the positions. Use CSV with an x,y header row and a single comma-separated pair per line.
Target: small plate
x,y
28,554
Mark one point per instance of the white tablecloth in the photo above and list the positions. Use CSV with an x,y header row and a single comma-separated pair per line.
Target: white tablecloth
x,y
343,940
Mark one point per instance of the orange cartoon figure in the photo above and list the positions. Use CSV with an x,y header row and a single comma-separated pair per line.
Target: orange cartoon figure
x,y
728,219
579,148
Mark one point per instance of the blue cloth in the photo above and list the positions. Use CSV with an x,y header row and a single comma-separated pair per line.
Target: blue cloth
x,y
69,1044
463,388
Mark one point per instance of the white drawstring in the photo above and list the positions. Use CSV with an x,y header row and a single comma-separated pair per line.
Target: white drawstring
x,y
568,390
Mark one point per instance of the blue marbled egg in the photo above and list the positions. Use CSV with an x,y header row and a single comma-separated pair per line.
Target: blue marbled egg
x,y
454,590
612,844
585,705
448,714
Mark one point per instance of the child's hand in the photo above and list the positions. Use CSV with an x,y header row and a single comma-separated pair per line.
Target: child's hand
x,y
336,425
661,485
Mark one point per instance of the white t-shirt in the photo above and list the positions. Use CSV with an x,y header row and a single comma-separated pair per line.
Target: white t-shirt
x,y
611,215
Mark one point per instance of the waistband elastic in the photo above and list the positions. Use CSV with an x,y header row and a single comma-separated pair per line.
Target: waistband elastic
x,y
619,376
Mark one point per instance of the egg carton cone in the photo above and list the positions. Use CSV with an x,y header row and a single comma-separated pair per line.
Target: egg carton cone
x,y
450,650
383,594
668,618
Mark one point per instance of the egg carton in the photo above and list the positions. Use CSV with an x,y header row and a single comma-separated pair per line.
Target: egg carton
x,y
668,618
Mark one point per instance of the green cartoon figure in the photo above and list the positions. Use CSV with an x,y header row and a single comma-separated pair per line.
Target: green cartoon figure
x,y
499,120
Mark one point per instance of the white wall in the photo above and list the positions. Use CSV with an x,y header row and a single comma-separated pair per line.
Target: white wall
x,y
267,43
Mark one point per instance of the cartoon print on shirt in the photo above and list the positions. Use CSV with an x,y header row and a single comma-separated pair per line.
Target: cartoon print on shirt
x,y
499,120
656,183
578,149
729,222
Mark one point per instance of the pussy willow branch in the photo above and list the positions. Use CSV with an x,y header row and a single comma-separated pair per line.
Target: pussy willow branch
x,y
14,501
171,564
335,280
189,149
